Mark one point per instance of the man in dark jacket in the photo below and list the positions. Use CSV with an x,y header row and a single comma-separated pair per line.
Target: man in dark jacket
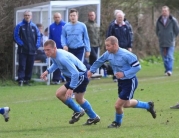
x,y
122,30
27,37
167,29
93,33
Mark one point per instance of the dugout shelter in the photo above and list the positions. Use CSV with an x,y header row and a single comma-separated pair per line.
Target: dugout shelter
x,y
43,13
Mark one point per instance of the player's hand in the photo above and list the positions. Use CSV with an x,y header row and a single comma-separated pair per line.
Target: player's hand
x,y
89,74
87,54
119,75
65,48
69,93
44,76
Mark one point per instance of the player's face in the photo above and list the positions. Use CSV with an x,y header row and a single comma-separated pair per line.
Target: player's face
x,y
165,12
73,17
109,47
50,51
27,16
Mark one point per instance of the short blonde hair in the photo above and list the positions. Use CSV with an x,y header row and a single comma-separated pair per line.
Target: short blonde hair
x,y
112,39
50,42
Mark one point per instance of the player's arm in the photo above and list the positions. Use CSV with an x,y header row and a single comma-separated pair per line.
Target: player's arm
x,y
135,65
99,62
86,42
73,72
64,39
51,69
74,75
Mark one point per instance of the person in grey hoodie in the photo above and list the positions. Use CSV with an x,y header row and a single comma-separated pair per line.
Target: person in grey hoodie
x,y
167,29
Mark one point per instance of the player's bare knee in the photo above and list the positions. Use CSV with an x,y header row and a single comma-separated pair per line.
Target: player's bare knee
x,y
79,100
58,94
118,107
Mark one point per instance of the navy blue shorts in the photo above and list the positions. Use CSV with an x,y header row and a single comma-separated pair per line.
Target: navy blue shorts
x,y
82,83
126,88
79,53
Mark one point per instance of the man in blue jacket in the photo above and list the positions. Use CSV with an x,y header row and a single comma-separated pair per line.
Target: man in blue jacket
x,y
55,34
27,37
125,66
76,74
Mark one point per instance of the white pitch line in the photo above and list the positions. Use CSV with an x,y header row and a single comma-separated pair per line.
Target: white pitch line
x,y
44,99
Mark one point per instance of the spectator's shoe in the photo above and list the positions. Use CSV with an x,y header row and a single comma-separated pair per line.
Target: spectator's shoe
x,y
151,109
175,106
6,113
55,82
114,125
91,121
20,83
76,116
115,80
169,73
26,82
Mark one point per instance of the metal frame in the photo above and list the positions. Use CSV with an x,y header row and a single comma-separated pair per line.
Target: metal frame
x,y
50,7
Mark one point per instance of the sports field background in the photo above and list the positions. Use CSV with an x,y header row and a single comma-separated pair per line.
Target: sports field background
x,y
36,112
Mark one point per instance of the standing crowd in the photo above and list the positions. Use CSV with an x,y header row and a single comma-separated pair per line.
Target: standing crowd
x,y
73,48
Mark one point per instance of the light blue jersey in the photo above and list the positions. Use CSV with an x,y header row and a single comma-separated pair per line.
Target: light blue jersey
x,y
75,36
69,65
122,61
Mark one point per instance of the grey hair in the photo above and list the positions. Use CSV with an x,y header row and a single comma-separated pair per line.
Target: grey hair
x,y
28,11
118,11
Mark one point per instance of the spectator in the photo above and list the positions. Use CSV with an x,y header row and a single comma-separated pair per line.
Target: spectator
x,y
121,29
55,34
125,66
45,35
77,81
75,37
27,37
40,52
93,33
5,112
167,29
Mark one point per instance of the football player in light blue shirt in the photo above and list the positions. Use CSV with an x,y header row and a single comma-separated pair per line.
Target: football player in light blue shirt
x,y
75,37
5,112
75,73
125,65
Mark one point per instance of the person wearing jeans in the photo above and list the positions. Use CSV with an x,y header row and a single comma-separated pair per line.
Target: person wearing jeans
x,y
167,30
168,58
